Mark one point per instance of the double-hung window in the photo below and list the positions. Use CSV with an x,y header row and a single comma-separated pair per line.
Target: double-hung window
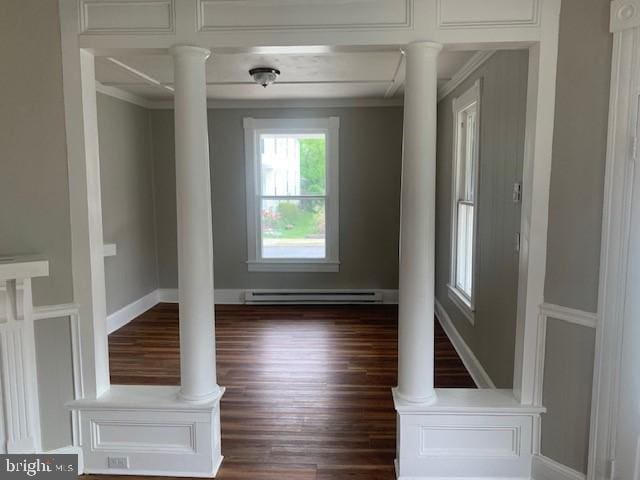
x,y
292,194
466,115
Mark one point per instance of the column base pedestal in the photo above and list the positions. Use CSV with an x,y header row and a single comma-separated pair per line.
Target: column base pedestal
x,y
148,430
479,433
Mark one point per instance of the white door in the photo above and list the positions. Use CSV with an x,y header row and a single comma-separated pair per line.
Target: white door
x,y
627,436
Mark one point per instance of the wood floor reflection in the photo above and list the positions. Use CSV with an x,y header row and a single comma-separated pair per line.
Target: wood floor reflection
x,y
308,388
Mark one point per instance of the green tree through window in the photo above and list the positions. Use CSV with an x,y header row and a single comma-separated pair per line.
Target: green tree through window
x,y
313,165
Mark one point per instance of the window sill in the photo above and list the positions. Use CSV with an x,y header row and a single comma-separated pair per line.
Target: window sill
x,y
293,266
462,303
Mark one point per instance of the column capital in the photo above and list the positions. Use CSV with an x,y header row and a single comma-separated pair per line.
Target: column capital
x,y
425,47
192,50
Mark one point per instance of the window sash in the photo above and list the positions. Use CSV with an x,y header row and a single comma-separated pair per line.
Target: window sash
x,y
466,116
465,248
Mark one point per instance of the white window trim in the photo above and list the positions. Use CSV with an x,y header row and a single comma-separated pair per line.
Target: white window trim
x,y
466,305
253,127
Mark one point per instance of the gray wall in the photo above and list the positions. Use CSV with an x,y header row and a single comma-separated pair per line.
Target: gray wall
x,y
34,197
128,210
370,161
568,372
502,123
575,211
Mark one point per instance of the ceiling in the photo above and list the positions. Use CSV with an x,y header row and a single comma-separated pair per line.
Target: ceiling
x,y
305,75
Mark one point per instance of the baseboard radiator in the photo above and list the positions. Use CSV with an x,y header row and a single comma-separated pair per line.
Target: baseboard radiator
x,y
313,297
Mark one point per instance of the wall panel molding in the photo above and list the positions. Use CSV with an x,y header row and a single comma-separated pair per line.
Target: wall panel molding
x,y
285,15
127,16
474,14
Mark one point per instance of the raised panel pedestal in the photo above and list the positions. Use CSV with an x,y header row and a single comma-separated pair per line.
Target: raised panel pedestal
x,y
147,430
467,433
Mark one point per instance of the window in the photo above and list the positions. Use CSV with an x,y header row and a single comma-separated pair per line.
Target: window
x,y
466,110
292,194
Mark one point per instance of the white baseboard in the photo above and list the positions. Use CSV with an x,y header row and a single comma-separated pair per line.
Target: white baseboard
x,y
475,368
222,296
235,296
544,468
127,313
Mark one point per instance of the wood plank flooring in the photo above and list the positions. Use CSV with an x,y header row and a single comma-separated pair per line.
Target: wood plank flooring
x,y
308,388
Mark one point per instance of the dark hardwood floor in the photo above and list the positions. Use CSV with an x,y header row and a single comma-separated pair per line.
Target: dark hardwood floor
x,y
308,388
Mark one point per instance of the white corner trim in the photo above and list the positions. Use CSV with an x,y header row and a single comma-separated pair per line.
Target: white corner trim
x,y
125,96
465,71
544,468
127,313
475,368
571,315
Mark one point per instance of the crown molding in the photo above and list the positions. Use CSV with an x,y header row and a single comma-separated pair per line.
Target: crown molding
x,y
274,103
124,95
467,69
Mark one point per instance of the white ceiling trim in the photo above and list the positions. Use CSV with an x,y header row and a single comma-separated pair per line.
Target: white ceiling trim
x,y
124,95
272,103
209,84
138,74
467,69
398,78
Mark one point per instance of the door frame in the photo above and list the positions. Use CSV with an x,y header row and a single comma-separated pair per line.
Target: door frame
x,y
616,223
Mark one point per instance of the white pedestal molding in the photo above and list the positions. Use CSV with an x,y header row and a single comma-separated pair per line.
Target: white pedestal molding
x,y
482,433
20,416
149,430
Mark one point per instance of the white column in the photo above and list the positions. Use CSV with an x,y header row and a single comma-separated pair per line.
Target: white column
x,y
195,237
417,226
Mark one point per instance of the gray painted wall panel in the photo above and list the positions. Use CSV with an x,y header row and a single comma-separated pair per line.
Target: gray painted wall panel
x,y
34,194
128,211
370,162
568,374
502,117
55,380
579,150
575,217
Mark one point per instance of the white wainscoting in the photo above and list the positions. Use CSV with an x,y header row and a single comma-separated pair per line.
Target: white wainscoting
x,y
148,430
471,362
466,433
544,468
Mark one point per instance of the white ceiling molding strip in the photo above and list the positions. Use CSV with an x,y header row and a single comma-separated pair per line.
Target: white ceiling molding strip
x,y
124,95
294,103
467,69
398,77
138,74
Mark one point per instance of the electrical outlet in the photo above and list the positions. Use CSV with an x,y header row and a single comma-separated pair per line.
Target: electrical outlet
x,y
118,462
517,192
